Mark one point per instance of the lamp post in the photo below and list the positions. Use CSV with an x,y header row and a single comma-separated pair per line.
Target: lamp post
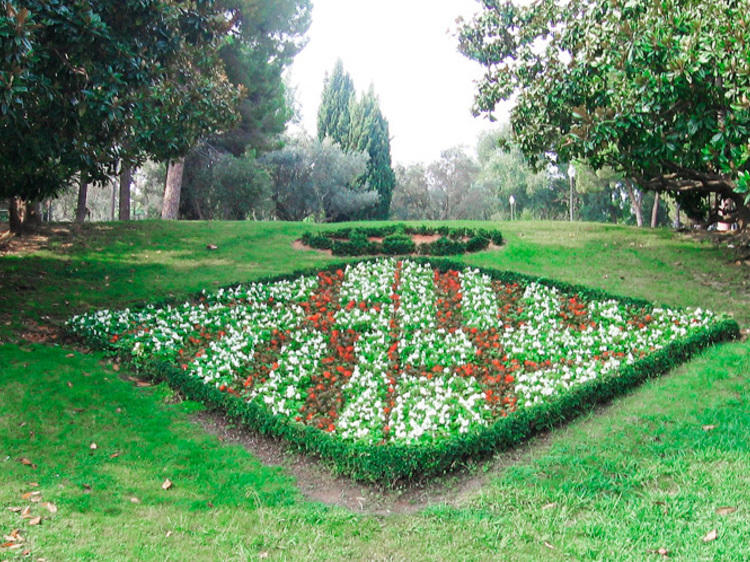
x,y
512,201
571,175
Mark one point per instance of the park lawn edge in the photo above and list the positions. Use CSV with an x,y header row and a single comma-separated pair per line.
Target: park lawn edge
x,y
395,464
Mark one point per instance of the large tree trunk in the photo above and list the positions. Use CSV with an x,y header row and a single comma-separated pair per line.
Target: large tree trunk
x,y
81,210
655,210
636,202
16,215
126,178
173,185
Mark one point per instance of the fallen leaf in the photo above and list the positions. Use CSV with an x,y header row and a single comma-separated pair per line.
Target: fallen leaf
x,y
79,410
31,495
70,384
15,509
725,510
35,521
86,488
263,555
52,508
69,355
548,545
167,484
211,247
26,513
115,366
141,384
549,505
33,484
709,427
118,410
169,534
710,536
22,424
115,455
92,446
27,462
134,500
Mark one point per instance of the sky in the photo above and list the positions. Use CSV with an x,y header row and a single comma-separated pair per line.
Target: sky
x,y
407,50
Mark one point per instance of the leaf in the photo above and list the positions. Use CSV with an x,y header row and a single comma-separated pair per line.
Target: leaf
x,y
549,505
33,484
69,355
31,495
710,536
115,366
725,510
70,384
35,521
26,513
166,485
52,508
27,462
709,427
15,509
134,500
115,455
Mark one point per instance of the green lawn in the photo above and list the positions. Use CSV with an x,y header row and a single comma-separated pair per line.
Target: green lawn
x,y
626,479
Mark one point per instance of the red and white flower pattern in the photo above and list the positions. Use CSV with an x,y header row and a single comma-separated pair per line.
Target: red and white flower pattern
x,y
391,351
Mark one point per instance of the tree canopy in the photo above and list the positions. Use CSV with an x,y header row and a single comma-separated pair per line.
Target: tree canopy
x,y
659,91
359,125
81,82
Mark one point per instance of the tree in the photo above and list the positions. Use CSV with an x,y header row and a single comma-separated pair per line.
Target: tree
x,y
658,91
450,182
267,34
411,194
334,120
92,72
231,188
359,125
311,178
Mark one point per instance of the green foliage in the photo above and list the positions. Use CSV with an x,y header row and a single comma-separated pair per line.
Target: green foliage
x,y
395,244
313,178
656,90
218,185
107,78
359,126
334,120
397,240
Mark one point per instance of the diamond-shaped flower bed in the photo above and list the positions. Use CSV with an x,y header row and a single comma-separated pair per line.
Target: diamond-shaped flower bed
x,y
393,369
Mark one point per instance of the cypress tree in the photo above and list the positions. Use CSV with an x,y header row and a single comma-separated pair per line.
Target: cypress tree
x,y
369,133
333,114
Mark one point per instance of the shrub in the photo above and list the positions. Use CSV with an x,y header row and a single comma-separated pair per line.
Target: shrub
x,y
398,244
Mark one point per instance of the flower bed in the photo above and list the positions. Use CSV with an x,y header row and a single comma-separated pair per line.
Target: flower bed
x,y
395,368
398,240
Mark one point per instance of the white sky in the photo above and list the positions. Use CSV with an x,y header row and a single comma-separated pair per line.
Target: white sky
x,y
407,50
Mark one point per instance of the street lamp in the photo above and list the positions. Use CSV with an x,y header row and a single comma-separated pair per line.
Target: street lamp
x,y
512,201
571,175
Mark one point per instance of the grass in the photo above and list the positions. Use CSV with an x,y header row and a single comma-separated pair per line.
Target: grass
x,y
630,478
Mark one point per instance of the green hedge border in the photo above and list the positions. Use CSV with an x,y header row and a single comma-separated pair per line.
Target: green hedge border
x,y
392,464
397,240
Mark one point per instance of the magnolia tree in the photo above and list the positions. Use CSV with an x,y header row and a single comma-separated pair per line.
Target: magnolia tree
x,y
659,91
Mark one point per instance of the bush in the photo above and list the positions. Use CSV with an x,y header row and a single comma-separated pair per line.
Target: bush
x,y
398,244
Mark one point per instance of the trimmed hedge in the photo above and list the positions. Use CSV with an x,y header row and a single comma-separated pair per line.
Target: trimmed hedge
x,y
390,464
356,241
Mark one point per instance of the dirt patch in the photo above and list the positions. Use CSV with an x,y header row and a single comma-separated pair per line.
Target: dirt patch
x,y
34,332
34,241
317,483
425,238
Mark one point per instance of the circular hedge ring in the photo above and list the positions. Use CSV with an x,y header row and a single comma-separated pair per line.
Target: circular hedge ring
x,y
398,239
